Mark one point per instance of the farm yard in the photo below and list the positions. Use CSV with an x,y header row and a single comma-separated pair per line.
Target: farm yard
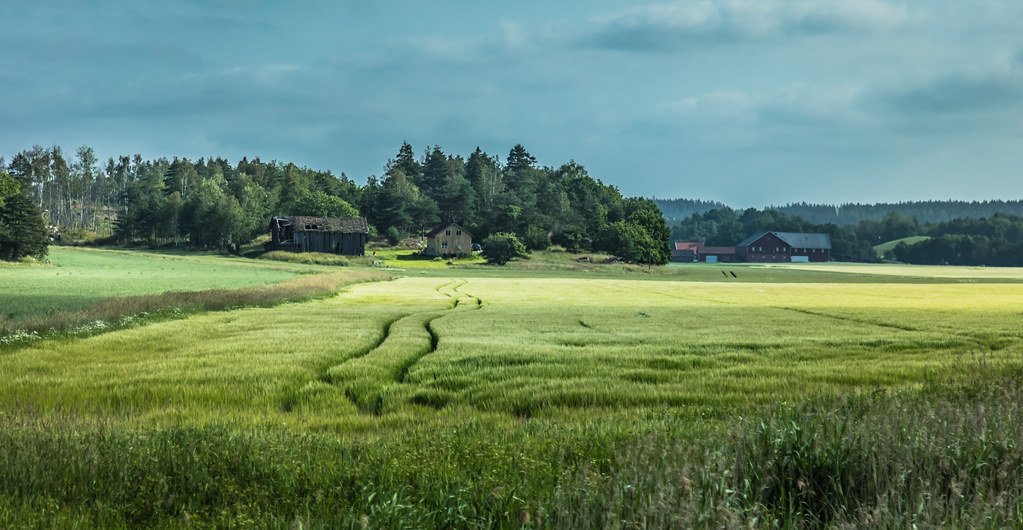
x,y
466,397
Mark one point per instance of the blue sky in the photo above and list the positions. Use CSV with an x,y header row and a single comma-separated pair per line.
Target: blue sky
x,y
747,102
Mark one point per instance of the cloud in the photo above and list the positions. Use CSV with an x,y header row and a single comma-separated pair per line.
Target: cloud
x,y
505,40
670,26
957,95
984,90
796,104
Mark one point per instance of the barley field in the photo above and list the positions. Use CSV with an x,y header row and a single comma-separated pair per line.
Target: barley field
x,y
540,400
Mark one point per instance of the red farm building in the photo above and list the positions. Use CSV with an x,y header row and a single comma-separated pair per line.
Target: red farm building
x,y
784,247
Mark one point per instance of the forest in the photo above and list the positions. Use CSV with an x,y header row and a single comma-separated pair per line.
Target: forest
x,y
853,214
995,240
211,203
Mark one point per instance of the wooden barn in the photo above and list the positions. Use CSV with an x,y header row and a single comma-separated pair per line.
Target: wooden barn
x,y
784,246
448,239
685,251
716,254
300,233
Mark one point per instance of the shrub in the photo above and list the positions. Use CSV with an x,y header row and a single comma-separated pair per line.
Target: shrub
x,y
537,238
502,247
393,235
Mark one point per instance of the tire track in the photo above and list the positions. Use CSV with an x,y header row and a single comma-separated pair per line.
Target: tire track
x,y
325,372
406,339
434,336
847,318
294,396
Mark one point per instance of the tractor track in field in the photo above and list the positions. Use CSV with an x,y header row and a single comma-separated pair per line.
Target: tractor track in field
x,y
980,341
401,369
846,318
821,314
428,325
324,373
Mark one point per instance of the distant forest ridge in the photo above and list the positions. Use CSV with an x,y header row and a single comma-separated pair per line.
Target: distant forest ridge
x,y
852,214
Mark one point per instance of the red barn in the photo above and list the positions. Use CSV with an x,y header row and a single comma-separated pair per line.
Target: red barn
x,y
784,246
717,254
685,251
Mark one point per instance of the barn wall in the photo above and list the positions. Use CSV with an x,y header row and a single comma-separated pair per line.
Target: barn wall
x,y
331,242
457,245
767,248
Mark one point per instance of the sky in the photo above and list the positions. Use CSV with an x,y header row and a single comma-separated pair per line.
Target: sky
x,y
749,102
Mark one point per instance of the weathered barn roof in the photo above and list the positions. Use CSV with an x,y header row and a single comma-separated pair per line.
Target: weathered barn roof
x,y
305,223
443,226
716,250
687,245
793,239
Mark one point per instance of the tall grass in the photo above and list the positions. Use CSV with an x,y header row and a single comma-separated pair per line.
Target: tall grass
x,y
944,457
530,403
122,311
308,258
936,459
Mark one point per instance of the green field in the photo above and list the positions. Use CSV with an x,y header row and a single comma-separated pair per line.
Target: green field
x,y
471,396
885,247
77,277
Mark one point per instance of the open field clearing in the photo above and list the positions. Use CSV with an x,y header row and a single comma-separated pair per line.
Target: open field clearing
x,y
77,277
935,272
534,400
890,245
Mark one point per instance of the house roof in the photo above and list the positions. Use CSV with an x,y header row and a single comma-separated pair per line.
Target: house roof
x,y
687,245
793,239
353,225
717,250
443,226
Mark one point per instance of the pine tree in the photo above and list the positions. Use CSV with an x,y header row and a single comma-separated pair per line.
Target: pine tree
x,y
22,230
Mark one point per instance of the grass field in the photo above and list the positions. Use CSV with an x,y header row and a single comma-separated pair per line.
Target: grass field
x,y
885,247
462,397
76,277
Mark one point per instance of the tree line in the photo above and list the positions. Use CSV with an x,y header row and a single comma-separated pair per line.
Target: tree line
x,y
994,240
213,204
727,227
853,214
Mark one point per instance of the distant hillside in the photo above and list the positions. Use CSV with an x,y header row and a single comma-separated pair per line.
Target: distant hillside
x,y
885,247
924,211
851,214
677,209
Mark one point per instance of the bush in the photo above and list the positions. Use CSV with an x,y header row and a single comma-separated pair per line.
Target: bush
x,y
630,242
502,247
572,240
393,236
537,238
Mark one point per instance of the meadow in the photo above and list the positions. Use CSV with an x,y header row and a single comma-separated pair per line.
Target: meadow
x,y
75,277
464,397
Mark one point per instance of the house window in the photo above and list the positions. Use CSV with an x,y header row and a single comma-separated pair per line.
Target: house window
x,y
458,233
447,232
444,244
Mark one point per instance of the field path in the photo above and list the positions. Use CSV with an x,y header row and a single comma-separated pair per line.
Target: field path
x,y
406,339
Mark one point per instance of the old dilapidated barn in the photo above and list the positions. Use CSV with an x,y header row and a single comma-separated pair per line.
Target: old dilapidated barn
x,y
300,233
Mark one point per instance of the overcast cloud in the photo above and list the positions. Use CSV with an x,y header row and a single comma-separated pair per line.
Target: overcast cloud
x,y
748,102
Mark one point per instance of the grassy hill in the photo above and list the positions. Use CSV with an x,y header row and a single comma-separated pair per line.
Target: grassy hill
x,y
885,247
